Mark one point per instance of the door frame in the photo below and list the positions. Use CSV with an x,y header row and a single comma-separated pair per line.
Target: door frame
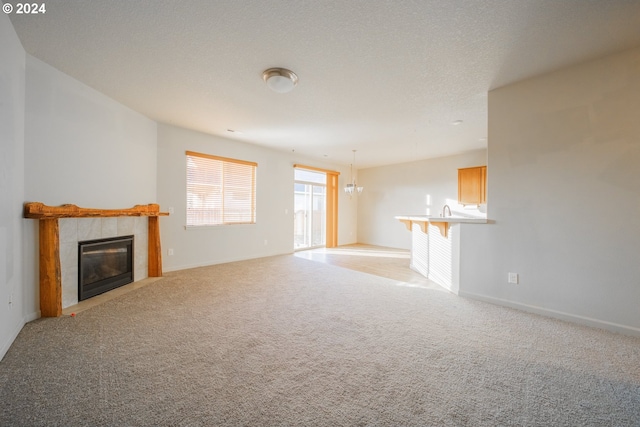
x,y
331,228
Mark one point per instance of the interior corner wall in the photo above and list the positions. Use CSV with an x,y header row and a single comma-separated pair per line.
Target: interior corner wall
x,y
414,188
272,234
564,192
12,119
81,147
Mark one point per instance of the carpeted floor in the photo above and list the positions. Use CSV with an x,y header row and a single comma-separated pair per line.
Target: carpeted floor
x,y
284,341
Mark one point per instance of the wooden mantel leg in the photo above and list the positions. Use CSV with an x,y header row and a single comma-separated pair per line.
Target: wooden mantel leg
x,y
155,251
50,275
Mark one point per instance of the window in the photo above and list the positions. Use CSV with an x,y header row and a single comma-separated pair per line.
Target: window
x,y
220,191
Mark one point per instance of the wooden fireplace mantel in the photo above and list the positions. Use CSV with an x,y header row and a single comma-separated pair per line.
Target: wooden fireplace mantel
x,y
38,210
50,271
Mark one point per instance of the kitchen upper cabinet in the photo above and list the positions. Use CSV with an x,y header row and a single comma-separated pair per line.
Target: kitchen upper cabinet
x,y
472,185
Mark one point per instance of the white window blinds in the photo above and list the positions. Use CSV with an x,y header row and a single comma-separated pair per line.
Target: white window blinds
x,y
220,190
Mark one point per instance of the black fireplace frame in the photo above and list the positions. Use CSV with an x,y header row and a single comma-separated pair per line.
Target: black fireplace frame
x,y
86,291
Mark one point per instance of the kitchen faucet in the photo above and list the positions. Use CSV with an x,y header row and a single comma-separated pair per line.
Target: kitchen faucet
x,y
444,210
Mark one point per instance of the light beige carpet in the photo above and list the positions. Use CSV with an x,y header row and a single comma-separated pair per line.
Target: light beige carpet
x,y
285,341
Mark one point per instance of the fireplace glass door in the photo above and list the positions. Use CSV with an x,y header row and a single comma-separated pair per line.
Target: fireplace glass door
x,y
104,265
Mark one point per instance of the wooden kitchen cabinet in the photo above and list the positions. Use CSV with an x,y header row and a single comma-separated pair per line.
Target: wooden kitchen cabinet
x,y
472,185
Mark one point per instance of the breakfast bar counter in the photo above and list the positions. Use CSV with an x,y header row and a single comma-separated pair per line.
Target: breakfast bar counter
x,y
435,246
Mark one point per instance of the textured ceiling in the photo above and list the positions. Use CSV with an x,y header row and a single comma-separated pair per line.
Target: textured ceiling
x,y
384,77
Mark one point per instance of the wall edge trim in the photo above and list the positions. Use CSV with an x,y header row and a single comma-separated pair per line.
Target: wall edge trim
x,y
221,261
561,315
12,337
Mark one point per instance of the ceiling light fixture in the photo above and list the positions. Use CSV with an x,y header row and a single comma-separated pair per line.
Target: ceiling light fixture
x,y
456,122
353,187
280,80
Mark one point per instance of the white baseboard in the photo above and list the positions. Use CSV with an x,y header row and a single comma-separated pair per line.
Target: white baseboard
x,y
32,316
12,337
221,261
574,318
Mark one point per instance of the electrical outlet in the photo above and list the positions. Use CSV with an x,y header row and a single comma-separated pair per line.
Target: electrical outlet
x,y
171,210
513,278
265,242
170,252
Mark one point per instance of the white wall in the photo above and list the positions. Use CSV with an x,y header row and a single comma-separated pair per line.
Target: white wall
x,y
564,191
416,188
12,87
81,147
199,246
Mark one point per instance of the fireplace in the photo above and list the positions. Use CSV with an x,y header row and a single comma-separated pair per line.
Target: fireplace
x,y
103,265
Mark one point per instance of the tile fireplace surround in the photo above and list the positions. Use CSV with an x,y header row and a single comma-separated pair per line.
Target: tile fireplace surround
x,y
74,230
62,227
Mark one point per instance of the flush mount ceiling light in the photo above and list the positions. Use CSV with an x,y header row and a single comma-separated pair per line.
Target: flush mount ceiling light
x,y
280,80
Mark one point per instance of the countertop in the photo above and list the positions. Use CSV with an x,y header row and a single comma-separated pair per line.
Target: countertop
x,y
431,218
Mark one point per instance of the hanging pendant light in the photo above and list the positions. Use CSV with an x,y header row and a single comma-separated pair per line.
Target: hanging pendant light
x,y
352,187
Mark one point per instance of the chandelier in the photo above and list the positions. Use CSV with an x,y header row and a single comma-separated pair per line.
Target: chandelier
x,y
352,187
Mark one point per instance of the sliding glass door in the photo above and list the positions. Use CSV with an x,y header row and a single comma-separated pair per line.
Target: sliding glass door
x,y
310,209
